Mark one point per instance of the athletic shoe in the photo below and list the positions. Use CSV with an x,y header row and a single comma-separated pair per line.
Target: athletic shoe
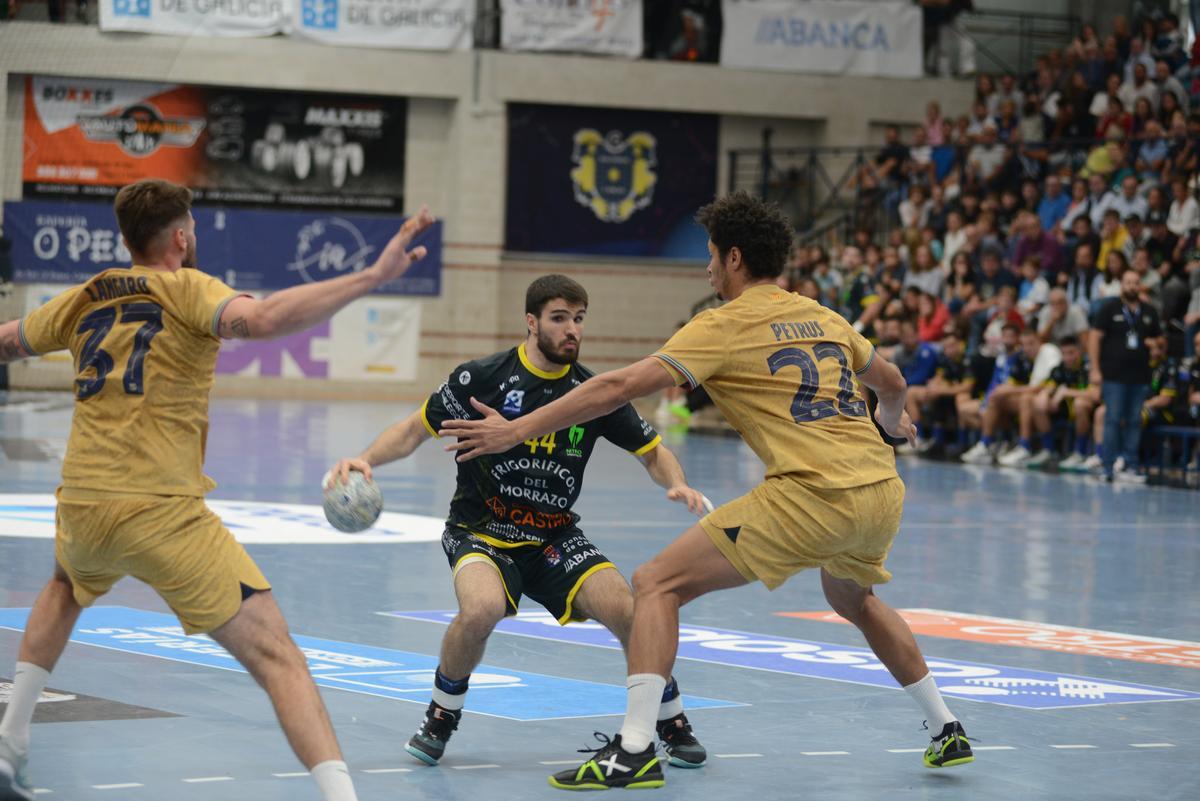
x,y
612,766
978,454
1093,464
14,784
1072,464
925,445
1129,477
1017,457
949,748
682,747
904,449
429,743
1039,459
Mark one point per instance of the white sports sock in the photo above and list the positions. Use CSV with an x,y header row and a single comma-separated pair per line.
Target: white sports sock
x,y
28,684
669,709
927,696
448,701
645,696
333,780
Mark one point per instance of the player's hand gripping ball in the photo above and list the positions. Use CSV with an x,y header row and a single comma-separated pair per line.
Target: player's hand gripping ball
x,y
354,505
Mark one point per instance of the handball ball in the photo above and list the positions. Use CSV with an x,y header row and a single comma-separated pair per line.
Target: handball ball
x,y
353,506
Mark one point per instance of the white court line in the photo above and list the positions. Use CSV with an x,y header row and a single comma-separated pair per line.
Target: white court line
x,y
825,753
736,756
203,779
1152,745
906,750
290,775
1009,747
388,770
125,786
561,762
1064,747
42,791
472,767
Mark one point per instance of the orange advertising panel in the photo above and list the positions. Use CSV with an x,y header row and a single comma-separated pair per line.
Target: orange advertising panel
x,y
1042,636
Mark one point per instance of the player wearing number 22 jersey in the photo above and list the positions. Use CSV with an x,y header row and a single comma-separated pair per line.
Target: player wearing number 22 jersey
x,y
786,372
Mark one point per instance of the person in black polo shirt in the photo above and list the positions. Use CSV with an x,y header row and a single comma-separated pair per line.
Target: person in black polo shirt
x,y
1120,363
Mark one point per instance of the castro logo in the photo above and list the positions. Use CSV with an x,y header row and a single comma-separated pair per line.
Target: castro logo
x,y
141,129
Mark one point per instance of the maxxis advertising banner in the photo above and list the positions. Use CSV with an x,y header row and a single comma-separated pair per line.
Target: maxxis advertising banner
x,y
606,28
253,250
89,137
406,24
196,17
602,181
841,37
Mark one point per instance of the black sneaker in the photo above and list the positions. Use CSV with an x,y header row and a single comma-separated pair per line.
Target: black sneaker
x,y
429,743
612,766
949,748
682,747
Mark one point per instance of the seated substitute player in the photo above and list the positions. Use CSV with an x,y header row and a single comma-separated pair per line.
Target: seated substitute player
x,y
145,343
1067,394
950,387
782,370
1002,402
917,361
511,529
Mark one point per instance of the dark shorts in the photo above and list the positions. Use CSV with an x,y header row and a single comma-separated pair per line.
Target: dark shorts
x,y
943,409
550,574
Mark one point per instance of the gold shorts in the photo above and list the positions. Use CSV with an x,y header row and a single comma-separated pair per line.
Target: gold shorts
x,y
173,543
782,527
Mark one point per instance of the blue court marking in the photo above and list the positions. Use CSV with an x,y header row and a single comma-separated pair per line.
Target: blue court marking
x,y
399,675
973,681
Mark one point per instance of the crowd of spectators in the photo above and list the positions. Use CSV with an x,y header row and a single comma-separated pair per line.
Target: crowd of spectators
x,y
1033,264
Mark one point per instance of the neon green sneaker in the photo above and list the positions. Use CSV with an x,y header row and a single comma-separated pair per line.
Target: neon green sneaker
x,y
612,766
949,748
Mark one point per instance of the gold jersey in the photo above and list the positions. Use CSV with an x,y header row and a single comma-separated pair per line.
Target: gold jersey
x,y
781,368
145,348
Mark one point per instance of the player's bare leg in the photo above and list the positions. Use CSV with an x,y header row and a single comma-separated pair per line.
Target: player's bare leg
x,y
258,637
892,641
482,604
46,634
607,598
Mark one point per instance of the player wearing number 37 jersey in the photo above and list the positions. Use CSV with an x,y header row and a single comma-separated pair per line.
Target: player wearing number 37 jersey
x,y
785,372
144,341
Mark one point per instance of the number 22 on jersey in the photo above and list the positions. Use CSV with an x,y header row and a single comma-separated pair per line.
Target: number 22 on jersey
x,y
805,406
98,325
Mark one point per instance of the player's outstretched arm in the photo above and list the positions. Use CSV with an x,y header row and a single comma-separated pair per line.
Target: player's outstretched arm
x,y
885,379
667,472
301,307
593,398
10,342
398,441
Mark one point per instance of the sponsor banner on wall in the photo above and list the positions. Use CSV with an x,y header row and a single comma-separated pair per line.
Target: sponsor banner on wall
x,y
89,137
250,249
610,28
844,37
608,181
196,17
409,24
372,339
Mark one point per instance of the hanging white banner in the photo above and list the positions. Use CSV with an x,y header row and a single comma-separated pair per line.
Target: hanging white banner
x,y
844,37
607,27
197,17
401,24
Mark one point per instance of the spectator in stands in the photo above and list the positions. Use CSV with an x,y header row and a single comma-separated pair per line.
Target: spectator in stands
x,y
1152,153
1169,83
1080,205
1183,158
1168,44
1168,108
857,285
925,274
1066,395
1161,243
1099,199
1032,240
939,210
1007,121
1034,290
979,120
1113,236
1003,313
1151,281
1138,235
1060,319
985,93
1119,356
1053,206
1184,215
987,160
829,281
1002,401
1080,283
920,167
1102,99
934,133
1137,57
960,287
1081,233
1116,119
955,238
932,318
1142,114
1107,283
1127,201
914,210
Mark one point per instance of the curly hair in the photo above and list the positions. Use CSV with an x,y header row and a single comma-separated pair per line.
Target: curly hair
x,y
758,229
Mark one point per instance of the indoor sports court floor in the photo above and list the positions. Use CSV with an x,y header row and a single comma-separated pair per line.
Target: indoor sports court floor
x,y
788,706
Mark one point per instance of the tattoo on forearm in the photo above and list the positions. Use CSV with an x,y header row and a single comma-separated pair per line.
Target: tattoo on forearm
x,y
239,328
10,350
